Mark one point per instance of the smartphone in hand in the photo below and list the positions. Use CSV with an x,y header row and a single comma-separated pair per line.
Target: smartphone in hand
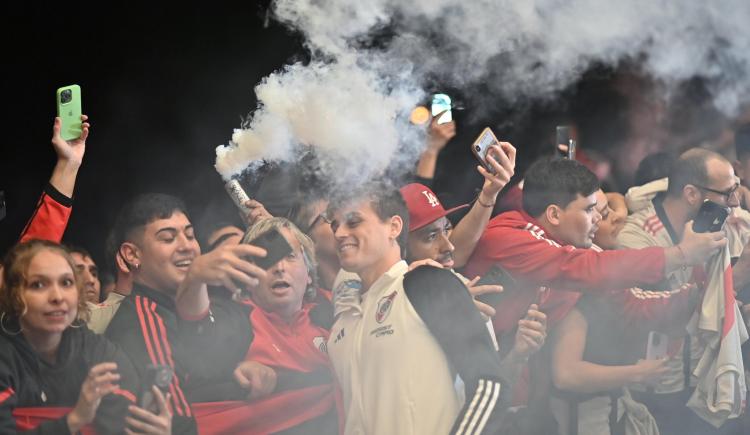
x,y
496,276
441,103
657,345
710,218
481,147
276,246
69,111
156,375
563,138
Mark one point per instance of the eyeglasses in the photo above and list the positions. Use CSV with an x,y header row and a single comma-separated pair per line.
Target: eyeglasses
x,y
726,194
318,218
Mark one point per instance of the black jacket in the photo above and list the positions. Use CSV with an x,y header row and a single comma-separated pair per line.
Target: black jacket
x,y
28,381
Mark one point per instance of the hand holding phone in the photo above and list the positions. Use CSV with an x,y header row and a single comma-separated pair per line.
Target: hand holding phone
x,y
481,147
69,111
441,105
159,376
710,217
657,345
497,276
276,246
564,138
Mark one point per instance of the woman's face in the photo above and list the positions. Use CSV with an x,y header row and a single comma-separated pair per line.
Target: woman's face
x,y
49,294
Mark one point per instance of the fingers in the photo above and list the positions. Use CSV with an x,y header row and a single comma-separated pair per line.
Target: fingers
x,y
510,151
240,377
161,401
484,308
102,368
244,250
482,289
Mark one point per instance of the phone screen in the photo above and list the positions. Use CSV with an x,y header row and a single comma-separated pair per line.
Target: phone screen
x,y
276,247
442,103
657,345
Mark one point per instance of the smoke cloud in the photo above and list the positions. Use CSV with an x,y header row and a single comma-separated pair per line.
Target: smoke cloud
x,y
371,60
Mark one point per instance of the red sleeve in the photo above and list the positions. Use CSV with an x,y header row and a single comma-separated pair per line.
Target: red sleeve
x,y
50,217
665,311
533,259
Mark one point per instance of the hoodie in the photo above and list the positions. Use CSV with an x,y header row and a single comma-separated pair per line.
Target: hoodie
x,y
28,381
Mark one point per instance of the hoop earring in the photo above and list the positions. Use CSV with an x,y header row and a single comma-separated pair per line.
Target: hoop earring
x,y
2,326
73,323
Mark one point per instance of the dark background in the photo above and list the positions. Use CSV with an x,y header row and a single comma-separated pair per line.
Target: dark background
x,y
164,85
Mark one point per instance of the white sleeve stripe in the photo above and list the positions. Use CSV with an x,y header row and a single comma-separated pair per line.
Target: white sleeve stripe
x,y
469,410
473,414
489,408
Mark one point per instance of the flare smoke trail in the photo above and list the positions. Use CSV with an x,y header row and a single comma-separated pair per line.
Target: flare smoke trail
x,y
371,58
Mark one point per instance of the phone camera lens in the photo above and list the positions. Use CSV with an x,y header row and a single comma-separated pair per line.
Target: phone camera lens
x,y
478,148
66,96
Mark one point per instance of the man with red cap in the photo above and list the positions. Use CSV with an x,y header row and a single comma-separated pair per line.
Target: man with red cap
x,y
429,242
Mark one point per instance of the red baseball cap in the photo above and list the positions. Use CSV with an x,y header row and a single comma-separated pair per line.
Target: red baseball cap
x,y
424,206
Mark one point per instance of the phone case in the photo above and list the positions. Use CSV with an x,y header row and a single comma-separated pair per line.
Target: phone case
x,y
481,146
657,345
276,247
69,111
710,218
495,276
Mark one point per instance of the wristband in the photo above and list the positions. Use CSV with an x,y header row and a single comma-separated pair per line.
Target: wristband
x,y
483,204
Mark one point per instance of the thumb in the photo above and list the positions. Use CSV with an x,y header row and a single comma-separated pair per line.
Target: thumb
x,y
239,375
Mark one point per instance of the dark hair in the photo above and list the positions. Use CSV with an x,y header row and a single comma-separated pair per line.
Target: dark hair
x,y
139,212
742,142
653,167
74,249
555,181
690,168
385,200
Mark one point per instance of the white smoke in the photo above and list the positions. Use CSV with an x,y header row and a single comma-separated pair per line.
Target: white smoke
x,y
350,101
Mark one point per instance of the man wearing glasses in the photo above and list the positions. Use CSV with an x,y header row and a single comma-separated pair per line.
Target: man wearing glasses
x,y
698,175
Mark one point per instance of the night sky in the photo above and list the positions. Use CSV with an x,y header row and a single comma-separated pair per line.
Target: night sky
x,y
162,86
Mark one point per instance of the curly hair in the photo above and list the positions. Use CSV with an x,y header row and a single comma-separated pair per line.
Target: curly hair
x,y
15,268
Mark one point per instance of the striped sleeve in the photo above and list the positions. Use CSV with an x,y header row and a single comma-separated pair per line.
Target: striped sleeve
x,y
445,306
50,217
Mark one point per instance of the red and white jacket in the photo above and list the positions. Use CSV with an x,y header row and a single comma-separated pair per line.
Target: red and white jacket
x,y
554,275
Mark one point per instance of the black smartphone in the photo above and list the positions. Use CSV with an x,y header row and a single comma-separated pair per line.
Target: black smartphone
x,y
563,138
276,246
156,375
496,276
710,218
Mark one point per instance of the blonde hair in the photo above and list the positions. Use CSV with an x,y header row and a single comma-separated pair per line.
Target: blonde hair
x,y
15,269
308,247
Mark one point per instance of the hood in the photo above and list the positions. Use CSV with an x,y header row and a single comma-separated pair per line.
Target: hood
x,y
639,197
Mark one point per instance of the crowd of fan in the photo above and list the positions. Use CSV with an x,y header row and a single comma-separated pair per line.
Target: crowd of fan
x,y
367,326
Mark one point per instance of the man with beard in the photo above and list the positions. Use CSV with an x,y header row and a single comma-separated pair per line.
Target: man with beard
x,y
89,273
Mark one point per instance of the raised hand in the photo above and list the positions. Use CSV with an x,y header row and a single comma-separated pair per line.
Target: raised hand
x,y
101,380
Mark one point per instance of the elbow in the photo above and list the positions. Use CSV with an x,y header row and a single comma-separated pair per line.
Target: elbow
x,y
564,379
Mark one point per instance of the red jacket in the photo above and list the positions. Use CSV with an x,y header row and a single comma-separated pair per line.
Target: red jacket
x,y
553,275
50,217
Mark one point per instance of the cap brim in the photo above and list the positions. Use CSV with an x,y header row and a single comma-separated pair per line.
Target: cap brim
x,y
447,212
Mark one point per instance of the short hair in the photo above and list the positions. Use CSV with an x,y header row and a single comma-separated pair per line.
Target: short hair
x,y
83,252
385,199
556,181
653,167
742,142
306,243
690,168
141,211
15,269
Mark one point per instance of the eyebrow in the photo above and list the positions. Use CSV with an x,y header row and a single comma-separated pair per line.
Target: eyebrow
x,y
173,229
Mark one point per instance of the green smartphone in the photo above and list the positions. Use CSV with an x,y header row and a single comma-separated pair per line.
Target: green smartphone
x,y
69,111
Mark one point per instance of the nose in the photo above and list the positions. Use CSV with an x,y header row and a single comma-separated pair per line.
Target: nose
x,y
597,217
55,293
445,244
279,267
734,199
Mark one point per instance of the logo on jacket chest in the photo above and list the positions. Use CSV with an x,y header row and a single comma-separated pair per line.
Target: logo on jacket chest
x,y
384,307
